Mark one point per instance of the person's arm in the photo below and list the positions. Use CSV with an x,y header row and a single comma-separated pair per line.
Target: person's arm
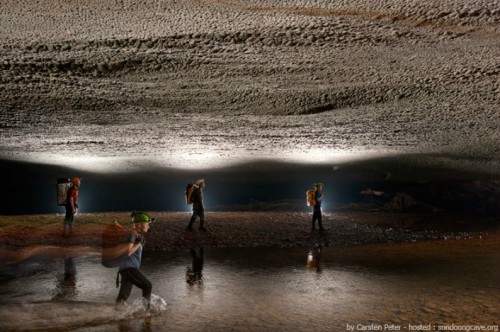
x,y
133,246
72,204
318,198
201,201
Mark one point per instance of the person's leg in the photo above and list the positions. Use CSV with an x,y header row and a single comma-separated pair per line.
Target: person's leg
x,y
315,216
202,220
192,220
125,287
320,217
138,279
68,221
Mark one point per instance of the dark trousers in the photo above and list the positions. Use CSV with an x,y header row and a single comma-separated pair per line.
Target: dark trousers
x,y
317,216
132,276
197,213
68,219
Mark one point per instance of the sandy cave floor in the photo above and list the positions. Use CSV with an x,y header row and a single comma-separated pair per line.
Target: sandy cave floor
x,y
243,229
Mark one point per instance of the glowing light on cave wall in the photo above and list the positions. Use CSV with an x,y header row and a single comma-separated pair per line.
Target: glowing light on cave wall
x,y
196,157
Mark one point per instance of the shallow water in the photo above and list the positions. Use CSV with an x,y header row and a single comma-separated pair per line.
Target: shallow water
x,y
445,282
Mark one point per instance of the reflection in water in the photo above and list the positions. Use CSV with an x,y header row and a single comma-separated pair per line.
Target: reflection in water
x,y
269,289
194,274
67,284
314,258
17,256
143,324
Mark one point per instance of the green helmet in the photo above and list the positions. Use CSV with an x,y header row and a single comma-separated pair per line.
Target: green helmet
x,y
141,217
318,184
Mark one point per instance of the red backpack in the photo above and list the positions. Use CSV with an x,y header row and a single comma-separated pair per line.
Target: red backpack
x,y
114,245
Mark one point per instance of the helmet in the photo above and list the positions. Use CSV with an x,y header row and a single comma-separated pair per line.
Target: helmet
x,y
318,184
141,217
76,180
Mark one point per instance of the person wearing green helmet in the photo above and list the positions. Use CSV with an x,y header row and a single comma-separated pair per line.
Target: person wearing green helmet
x,y
129,267
318,196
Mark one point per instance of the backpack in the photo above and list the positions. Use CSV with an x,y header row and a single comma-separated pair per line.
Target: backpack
x,y
114,245
62,187
189,192
310,196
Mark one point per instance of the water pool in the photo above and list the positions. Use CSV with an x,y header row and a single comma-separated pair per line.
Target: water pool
x,y
299,289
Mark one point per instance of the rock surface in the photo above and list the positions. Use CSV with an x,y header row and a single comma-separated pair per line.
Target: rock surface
x,y
224,81
241,229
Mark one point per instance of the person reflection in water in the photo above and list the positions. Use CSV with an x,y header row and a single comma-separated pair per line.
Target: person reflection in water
x,y
314,258
194,274
67,285
129,268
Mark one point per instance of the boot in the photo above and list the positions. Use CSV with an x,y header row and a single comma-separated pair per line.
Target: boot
x,y
320,224
120,305
147,304
202,229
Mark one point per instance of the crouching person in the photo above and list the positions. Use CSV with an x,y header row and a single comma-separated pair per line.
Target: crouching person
x,y
129,267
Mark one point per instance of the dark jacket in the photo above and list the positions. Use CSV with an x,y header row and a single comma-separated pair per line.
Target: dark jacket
x,y
198,199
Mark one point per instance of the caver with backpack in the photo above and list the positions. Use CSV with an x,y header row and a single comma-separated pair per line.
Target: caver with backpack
x,y
315,202
128,259
194,195
67,196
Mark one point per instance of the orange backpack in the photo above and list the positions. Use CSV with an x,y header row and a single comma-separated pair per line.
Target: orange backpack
x,y
189,192
311,200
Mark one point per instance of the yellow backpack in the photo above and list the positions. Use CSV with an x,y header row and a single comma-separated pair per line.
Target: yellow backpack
x,y
311,200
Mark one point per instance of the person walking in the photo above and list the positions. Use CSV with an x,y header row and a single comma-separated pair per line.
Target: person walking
x,y
71,206
198,206
318,197
129,267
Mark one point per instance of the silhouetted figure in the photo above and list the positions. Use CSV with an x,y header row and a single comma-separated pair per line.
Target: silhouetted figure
x,y
71,206
198,206
317,216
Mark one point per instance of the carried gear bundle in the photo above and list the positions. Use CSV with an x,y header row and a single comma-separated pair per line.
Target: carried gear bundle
x,y
311,194
114,244
190,187
310,197
62,187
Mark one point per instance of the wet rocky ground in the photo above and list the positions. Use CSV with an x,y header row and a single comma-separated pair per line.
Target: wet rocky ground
x,y
249,229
